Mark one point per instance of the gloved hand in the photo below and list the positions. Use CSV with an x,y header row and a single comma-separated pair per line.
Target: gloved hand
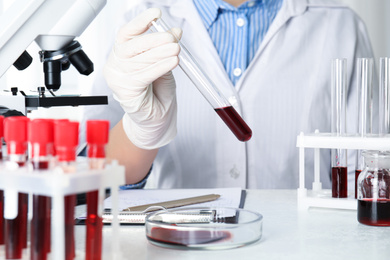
x,y
138,71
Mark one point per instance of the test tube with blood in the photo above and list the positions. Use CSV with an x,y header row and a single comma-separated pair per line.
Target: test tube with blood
x,y
207,88
364,88
97,138
16,204
41,138
65,142
338,125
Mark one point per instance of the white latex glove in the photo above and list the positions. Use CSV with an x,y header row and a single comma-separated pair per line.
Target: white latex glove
x,y
138,71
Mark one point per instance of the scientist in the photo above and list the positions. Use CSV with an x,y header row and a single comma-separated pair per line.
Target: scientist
x,y
271,58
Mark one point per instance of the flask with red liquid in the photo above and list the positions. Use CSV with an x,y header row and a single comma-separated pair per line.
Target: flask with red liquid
x,y
374,190
1,191
97,138
41,139
15,135
65,142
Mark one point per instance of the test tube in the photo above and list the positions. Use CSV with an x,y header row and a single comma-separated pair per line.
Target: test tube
x,y
384,96
66,141
364,88
15,135
208,89
97,138
1,191
338,126
41,138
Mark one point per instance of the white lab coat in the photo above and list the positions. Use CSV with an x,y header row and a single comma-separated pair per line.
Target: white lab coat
x,y
285,90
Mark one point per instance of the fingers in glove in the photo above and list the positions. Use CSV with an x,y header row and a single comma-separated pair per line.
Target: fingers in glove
x,y
142,44
138,25
156,70
147,58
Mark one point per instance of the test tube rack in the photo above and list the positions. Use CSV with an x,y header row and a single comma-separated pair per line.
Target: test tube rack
x,y
57,184
322,198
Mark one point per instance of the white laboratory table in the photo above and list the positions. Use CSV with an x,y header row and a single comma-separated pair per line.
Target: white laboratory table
x,y
288,233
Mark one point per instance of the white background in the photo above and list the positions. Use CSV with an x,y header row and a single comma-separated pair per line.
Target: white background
x,y
373,12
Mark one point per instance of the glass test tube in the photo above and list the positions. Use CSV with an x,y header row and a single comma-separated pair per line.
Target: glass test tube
x,y
97,138
66,141
208,89
384,96
338,127
15,135
364,88
41,138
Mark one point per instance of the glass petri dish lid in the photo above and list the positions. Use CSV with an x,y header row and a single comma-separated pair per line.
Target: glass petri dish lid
x,y
204,228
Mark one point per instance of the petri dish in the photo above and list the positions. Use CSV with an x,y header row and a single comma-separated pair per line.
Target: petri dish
x,y
204,228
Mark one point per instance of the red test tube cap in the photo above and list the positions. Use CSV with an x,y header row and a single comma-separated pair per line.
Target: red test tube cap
x,y
97,137
15,134
66,139
41,132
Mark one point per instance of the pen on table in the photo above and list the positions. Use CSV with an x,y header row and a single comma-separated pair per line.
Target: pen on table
x,y
137,214
176,203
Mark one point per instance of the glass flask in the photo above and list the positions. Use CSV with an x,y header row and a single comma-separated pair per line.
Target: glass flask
x,y
374,189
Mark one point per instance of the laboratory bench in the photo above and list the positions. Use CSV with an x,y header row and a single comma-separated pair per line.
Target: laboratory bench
x,y
288,233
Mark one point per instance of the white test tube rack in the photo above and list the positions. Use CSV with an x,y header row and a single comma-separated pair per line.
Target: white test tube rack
x,y
322,198
57,185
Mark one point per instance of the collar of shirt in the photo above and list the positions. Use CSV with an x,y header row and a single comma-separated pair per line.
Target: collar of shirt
x,y
209,9
248,22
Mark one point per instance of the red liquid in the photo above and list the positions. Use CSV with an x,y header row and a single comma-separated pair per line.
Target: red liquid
x,y
374,213
1,217
357,173
70,250
339,182
40,223
235,123
16,230
186,238
94,225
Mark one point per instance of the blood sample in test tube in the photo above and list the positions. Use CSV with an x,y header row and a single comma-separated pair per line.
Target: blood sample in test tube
x,y
97,138
41,138
1,191
65,142
338,127
15,135
207,88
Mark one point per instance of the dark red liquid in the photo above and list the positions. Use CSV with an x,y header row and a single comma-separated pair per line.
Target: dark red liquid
x,y
235,123
339,182
94,225
16,230
357,173
70,250
186,238
40,165
1,217
38,228
374,212
40,223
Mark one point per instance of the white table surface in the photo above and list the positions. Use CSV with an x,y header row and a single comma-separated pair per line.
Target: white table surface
x,y
288,233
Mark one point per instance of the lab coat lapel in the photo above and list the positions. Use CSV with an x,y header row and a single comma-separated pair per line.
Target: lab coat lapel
x,y
289,9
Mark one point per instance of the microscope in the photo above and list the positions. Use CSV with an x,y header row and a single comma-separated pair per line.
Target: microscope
x,y
53,25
